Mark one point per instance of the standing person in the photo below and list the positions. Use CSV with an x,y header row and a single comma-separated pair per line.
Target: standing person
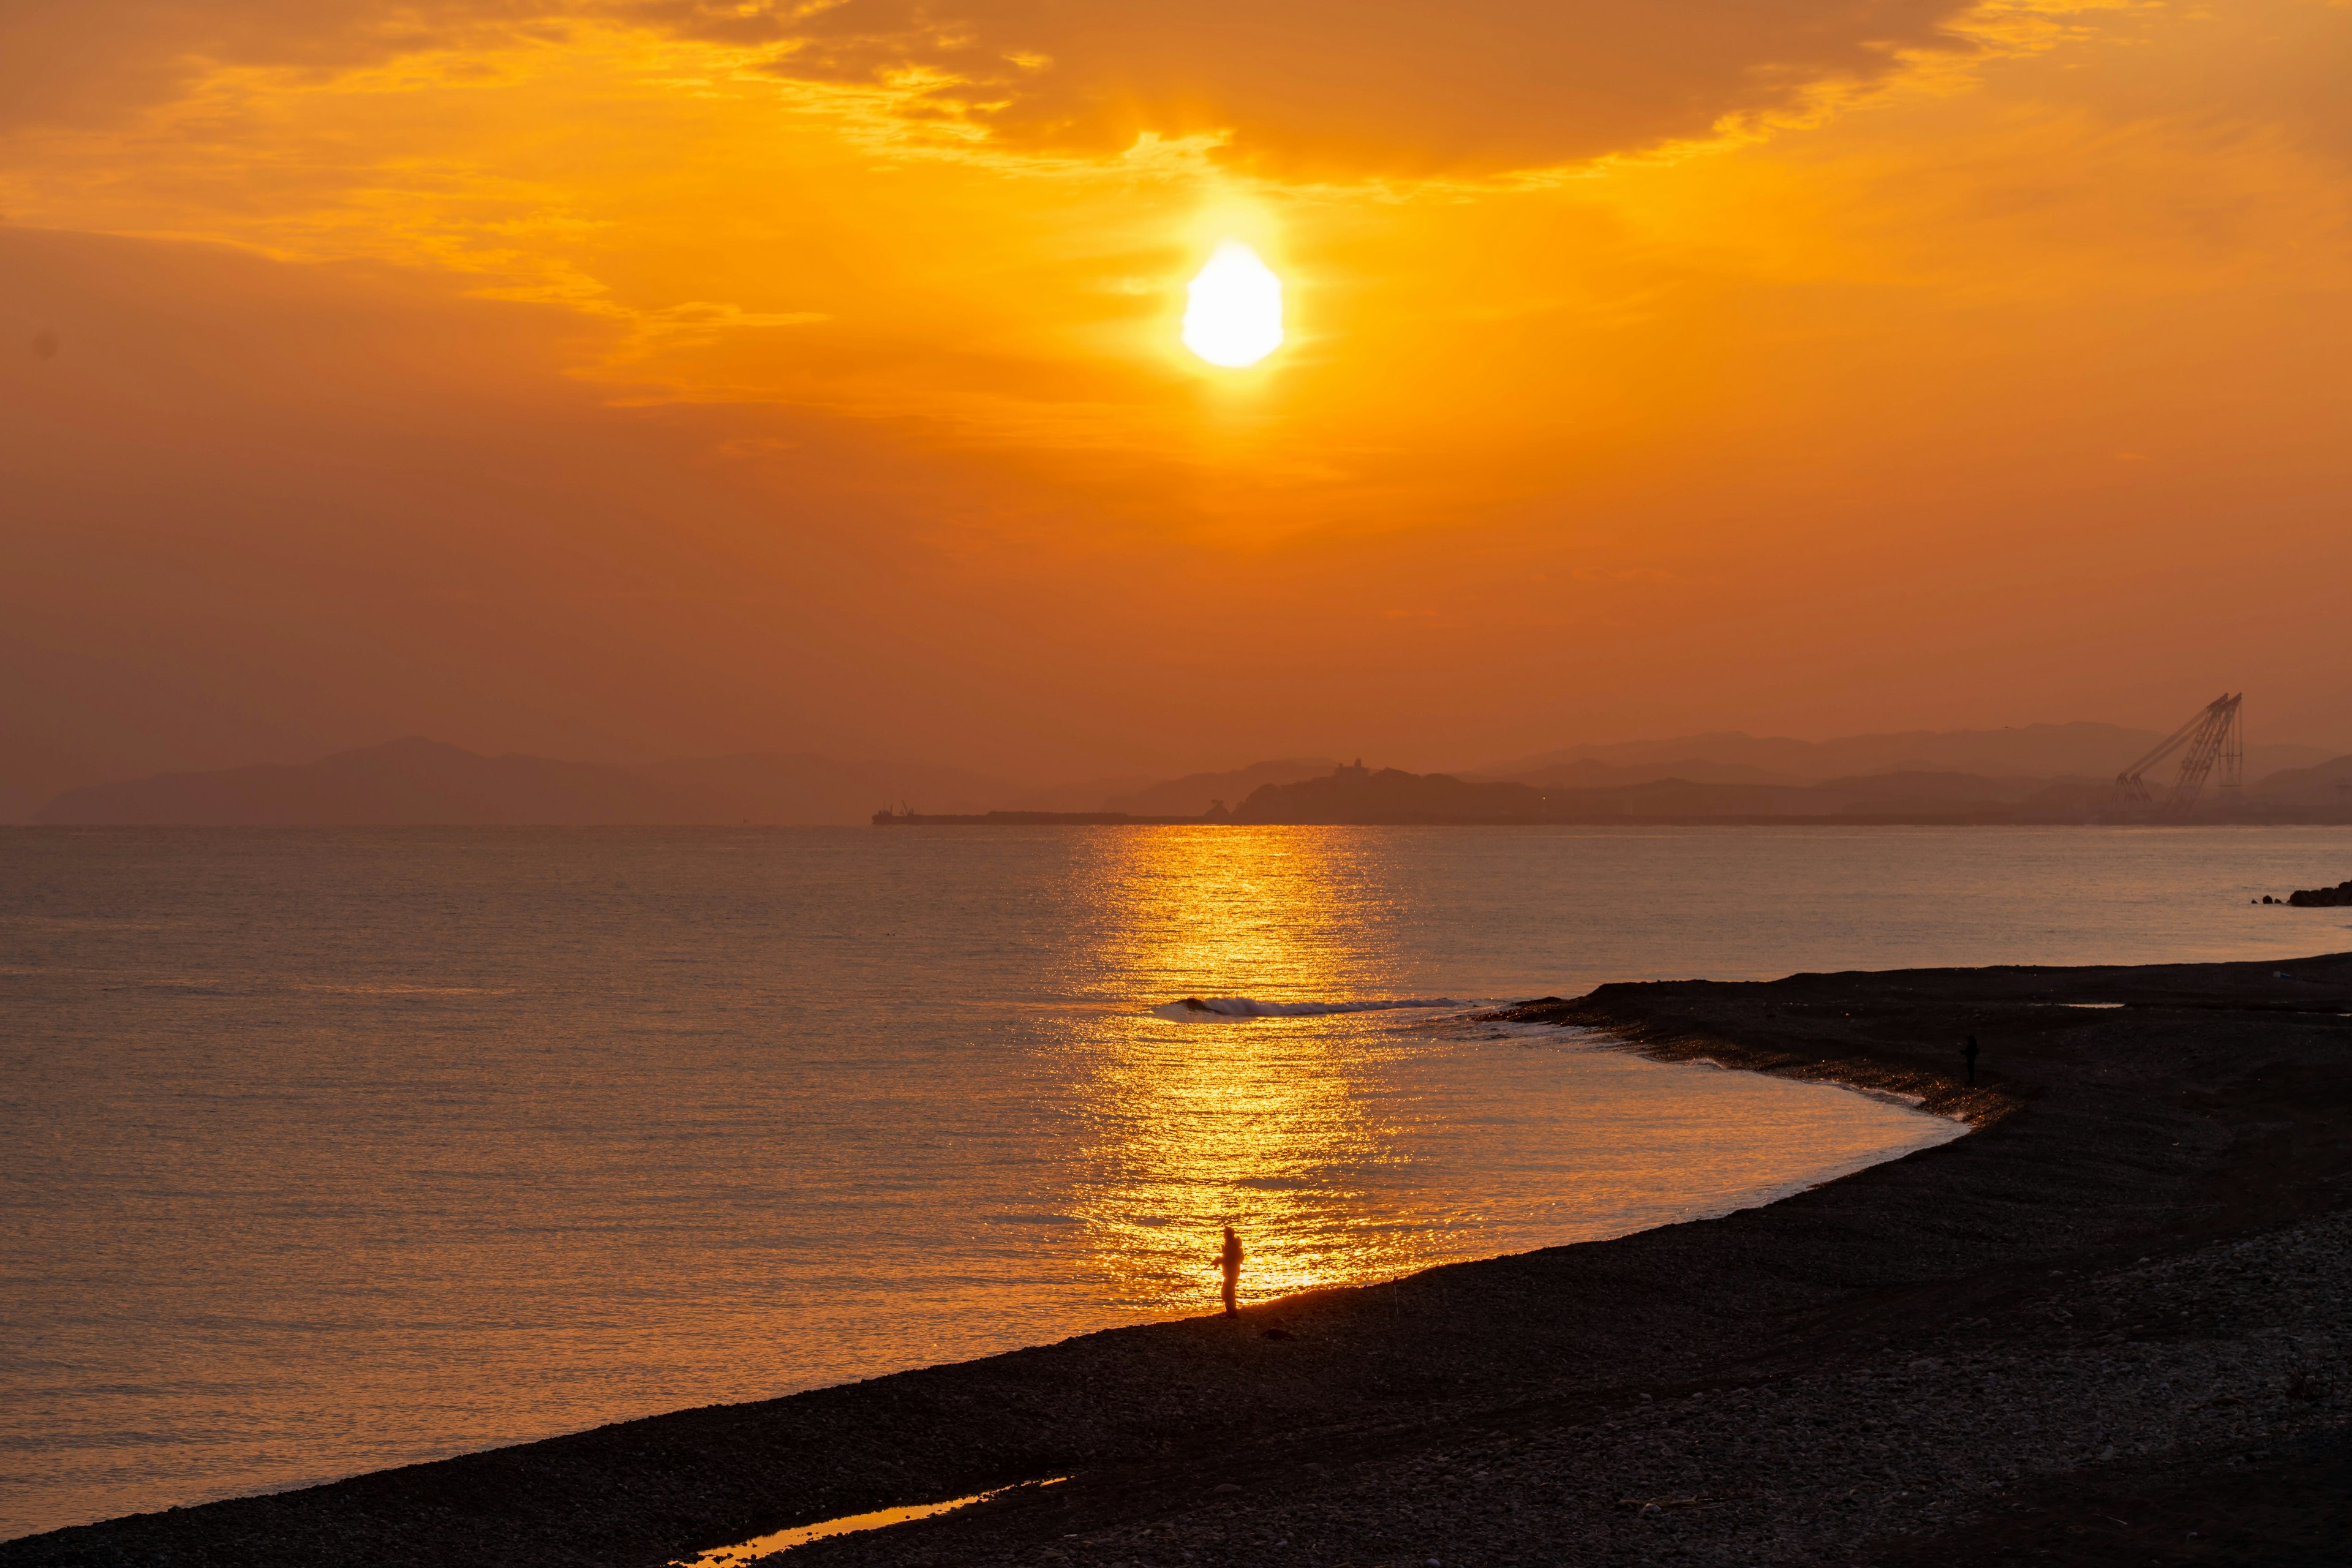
x,y
1970,1051
1230,1260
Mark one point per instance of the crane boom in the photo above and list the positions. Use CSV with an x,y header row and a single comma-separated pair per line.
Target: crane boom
x,y
2213,736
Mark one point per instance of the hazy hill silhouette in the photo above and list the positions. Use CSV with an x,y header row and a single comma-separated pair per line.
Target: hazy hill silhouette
x,y
2325,789
2041,751
67,718
802,789
420,781
1356,795
1591,772
1191,795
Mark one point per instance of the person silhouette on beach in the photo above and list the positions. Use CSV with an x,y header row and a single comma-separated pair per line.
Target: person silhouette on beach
x,y
1230,1260
1969,1052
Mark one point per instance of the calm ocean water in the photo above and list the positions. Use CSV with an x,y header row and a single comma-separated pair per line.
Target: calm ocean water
x,y
325,1150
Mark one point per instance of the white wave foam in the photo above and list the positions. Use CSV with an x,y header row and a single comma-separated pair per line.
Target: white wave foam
x,y
1205,1007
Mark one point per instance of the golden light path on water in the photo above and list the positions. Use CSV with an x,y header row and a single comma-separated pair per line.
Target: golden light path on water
x,y
1245,1122
1348,1146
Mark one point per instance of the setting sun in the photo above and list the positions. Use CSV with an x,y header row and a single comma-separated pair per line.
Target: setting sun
x,y
1233,314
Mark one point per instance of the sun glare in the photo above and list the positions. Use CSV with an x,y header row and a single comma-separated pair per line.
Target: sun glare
x,y
1232,311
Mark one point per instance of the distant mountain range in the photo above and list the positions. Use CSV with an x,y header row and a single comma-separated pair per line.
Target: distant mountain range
x,y
2324,790
1387,796
2028,750
2044,773
419,782
1195,793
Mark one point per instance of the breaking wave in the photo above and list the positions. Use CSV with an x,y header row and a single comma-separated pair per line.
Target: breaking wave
x,y
1251,1007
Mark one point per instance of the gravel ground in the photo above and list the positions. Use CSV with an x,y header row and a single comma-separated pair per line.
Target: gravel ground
x,y
2151,1363
2109,1326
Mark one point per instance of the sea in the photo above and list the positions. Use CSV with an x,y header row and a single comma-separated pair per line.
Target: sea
x,y
322,1151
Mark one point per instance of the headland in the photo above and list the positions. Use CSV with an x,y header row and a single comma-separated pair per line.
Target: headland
x,y
1353,795
2109,1326
888,817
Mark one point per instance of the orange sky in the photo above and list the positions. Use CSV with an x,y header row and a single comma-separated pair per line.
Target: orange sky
x,y
618,377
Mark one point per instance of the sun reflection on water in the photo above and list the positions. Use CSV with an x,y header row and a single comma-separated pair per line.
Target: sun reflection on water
x,y
1199,1121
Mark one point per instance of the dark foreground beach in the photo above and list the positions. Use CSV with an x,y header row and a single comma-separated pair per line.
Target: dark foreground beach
x,y
2109,1327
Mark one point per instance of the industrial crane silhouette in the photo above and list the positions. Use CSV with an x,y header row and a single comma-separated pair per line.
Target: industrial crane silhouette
x,y
2215,735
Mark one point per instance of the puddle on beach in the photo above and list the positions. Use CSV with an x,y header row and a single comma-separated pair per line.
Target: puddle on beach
x,y
847,1524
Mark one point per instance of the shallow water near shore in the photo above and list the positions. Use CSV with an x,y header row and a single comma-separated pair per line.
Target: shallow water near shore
x,y
334,1150
768,1545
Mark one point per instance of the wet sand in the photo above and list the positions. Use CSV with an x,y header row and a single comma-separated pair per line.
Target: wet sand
x,y
2111,1325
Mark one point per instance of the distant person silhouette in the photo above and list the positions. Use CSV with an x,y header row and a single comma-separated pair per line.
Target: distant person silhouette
x,y
1970,1051
1230,1260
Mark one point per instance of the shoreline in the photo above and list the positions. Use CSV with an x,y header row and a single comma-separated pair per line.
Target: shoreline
x,y
1805,1373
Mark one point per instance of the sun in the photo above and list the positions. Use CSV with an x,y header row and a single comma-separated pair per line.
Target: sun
x,y
1232,311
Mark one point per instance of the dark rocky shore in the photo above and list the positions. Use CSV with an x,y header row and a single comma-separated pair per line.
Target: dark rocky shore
x,y
2109,1327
